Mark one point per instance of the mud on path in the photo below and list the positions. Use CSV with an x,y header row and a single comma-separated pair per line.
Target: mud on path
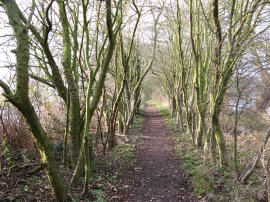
x,y
156,175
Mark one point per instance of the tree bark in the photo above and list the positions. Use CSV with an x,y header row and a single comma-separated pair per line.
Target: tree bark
x,y
92,105
74,108
21,100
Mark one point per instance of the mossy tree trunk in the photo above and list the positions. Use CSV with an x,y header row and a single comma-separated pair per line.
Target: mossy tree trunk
x,y
216,98
74,101
201,48
239,35
91,105
20,99
54,75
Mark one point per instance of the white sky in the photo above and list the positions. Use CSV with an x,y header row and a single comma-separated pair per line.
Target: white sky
x,y
7,58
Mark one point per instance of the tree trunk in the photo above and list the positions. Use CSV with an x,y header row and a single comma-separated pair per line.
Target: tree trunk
x,y
200,130
74,113
120,124
113,117
173,106
190,123
216,132
21,99
111,133
45,150
179,111
213,145
92,105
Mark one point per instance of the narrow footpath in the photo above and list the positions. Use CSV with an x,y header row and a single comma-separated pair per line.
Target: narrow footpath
x,y
156,175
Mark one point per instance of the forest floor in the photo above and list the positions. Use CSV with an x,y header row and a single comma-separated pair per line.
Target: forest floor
x,y
156,173
157,163
145,168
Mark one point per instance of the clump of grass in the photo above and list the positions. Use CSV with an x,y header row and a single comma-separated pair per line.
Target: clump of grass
x,y
99,195
163,109
193,165
137,125
119,158
123,155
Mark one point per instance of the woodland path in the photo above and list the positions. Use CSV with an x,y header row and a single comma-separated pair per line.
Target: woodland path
x,y
156,175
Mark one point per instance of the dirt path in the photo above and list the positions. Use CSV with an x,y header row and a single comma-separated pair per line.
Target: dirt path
x,y
156,175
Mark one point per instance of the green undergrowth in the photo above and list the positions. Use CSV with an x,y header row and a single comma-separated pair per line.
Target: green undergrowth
x,y
193,165
163,109
136,127
108,168
207,181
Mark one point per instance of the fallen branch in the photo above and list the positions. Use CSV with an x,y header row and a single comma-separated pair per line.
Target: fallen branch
x,y
120,135
25,166
37,169
256,161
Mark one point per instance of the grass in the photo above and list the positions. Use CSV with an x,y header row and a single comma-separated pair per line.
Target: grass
x,y
136,126
193,165
163,109
99,195
208,181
